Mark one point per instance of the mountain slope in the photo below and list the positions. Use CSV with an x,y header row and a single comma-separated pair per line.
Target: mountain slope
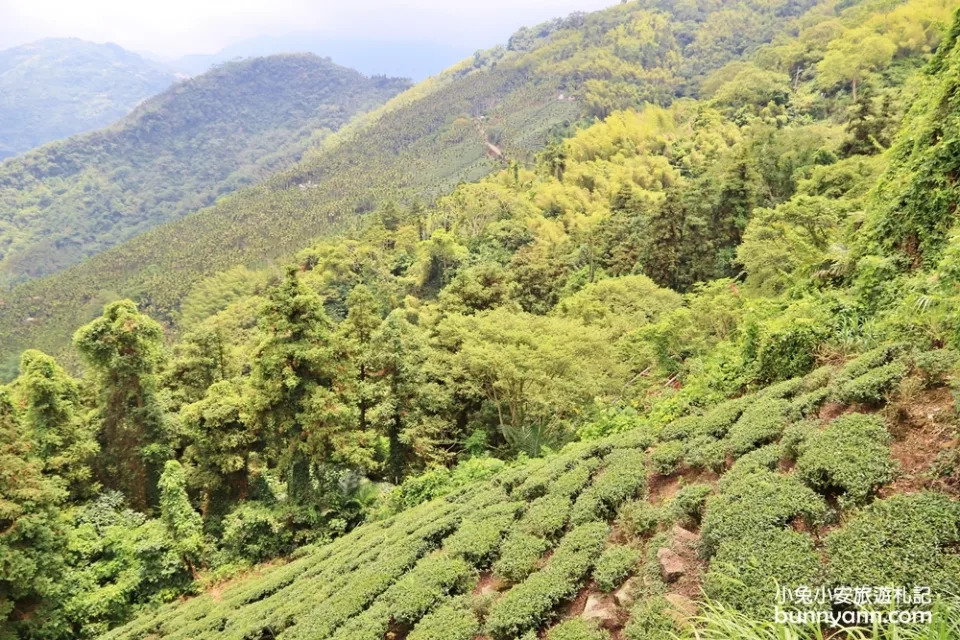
x,y
502,559
176,153
419,145
56,88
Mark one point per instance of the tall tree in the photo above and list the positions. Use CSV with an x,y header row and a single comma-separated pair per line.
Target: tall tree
x,y
405,397
125,347
53,417
356,333
295,383
32,542
221,441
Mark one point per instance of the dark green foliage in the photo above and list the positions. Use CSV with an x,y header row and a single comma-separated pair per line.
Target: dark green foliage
x,y
807,404
795,435
32,541
576,629
125,347
424,586
936,365
682,428
530,603
666,456
614,565
254,532
705,452
908,540
718,420
756,502
546,516
864,363
761,424
649,621
851,457
872,387
622,477
519,555
687,504
746,572
479,536
765,458
453,620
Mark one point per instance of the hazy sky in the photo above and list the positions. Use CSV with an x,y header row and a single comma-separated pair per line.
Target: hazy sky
x,y
177,27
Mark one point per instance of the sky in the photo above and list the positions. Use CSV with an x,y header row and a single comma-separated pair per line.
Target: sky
x,y
178,27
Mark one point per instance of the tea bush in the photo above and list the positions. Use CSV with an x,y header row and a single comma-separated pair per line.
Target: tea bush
x,y
666,456
530,603
576,629
756,502
614,565
760,424
872,387
905,540
746,571
452,620
519,555
850,457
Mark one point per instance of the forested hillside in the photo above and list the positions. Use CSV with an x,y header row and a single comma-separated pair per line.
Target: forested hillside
x,y
638,383
56,88
176,153
495,109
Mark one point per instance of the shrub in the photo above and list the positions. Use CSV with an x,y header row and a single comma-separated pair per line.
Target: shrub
x,y
452,620
795,434
866,362
519,555
761,424
479,536
807,404
649,621
572,482
718,420
614,565
576,629
935,365
681,428
637,518
786,346
687,505
639,438
622,478
765,458
546,516
429,582
850,457
666,456
755,502
705,452
904,540
746,571
254,532
527,605
871,387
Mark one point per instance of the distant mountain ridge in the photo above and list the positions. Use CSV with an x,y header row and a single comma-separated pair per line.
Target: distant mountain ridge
x,y
413,59
176,153
55,88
